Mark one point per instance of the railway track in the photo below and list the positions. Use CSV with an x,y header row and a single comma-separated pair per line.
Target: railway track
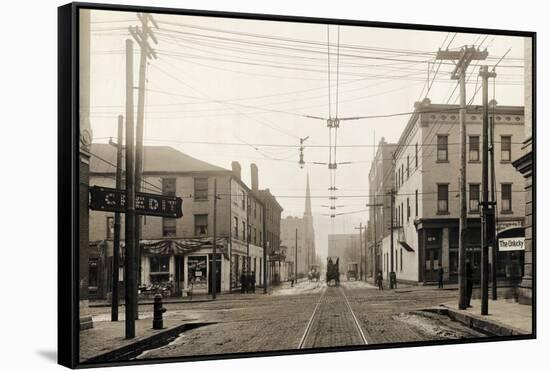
x,y
332,323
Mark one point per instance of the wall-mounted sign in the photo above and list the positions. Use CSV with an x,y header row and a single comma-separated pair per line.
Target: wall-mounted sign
x,y
114,200
511,244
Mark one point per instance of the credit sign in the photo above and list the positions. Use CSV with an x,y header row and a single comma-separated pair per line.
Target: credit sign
x,y
114,200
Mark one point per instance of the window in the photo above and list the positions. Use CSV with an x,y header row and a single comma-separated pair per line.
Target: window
x,y
235,227
244,230
408,209
255,206
261,239
402,174
201,224
169,224
401,259
402,213
201,189
159,268
255,239
474,197
442,198
416,155
474,148
243,195
416,203
506,197
93,272
505,148
408,172
442,148
110,227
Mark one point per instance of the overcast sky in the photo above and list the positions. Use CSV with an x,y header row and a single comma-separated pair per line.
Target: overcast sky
x,y
249,82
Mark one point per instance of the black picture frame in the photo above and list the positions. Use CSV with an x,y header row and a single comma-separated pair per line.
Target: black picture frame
x,y
69,178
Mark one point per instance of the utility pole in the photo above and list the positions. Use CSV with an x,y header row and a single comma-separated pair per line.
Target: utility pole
x,y
214,242
141,37
493,200
487,212
265,249
463,57
361,251
129,222
375,248
116,237
392,273
296,257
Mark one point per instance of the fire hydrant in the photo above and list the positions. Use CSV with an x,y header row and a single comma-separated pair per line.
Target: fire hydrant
x,y
157,312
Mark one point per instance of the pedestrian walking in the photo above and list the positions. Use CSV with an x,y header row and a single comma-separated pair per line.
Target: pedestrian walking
x,y
469,283
379,280
243,283
253,282
440,277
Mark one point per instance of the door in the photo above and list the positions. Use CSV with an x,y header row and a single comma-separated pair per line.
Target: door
x,y
218,267
432,264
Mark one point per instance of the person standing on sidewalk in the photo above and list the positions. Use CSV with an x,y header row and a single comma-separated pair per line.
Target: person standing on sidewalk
x,y
253,282
469,283
243,282
379,280
440,277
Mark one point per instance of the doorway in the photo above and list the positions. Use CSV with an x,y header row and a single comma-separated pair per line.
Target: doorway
x,y
218,267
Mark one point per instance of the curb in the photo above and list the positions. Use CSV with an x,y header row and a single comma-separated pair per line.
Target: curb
x,y
129,351
477,322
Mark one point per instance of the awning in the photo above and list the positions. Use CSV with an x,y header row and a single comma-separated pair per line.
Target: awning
x,y
406,246
181,246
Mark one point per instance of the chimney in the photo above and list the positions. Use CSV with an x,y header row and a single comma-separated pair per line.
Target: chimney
x,y
254,177
236,169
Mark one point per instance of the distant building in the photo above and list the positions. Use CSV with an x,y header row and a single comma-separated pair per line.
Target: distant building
x,y
178,252
347,248
305,242
426,180
381,180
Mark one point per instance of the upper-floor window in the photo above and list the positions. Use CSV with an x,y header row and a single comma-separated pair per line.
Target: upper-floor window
x,y
244,230
110,227
402,174
474,148
408,209
416,155
506,194
442,148
201,224
243,201
474,197
443,198
408,172
416,203
235,227
201,189
506,148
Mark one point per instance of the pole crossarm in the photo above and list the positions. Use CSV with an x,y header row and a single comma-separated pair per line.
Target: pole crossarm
x,y
463,57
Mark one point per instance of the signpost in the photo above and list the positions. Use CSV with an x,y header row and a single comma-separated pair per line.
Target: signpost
x,y
114,200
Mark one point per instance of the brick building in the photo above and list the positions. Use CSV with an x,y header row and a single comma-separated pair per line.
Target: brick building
x,y
178,252
381,179
427,206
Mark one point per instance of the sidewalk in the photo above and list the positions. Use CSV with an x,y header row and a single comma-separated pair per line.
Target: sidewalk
x,y
505,318
106,342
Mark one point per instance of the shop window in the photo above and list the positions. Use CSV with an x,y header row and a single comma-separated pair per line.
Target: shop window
x,y
506,194
159,268
201,189
196,272
474,148
201,225
505,148
442,148
474,198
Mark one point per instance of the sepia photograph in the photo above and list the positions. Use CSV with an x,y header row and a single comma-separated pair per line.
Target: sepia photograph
x,y
255,185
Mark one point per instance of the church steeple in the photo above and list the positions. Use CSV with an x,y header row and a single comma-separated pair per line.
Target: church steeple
x,y
307,211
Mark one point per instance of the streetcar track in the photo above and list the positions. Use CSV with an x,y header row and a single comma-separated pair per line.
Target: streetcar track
x,y
307,332
310,322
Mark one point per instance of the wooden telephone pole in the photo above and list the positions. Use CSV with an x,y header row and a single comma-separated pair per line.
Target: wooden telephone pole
x,y
463,58
488,211
116,237
361,252
141,36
